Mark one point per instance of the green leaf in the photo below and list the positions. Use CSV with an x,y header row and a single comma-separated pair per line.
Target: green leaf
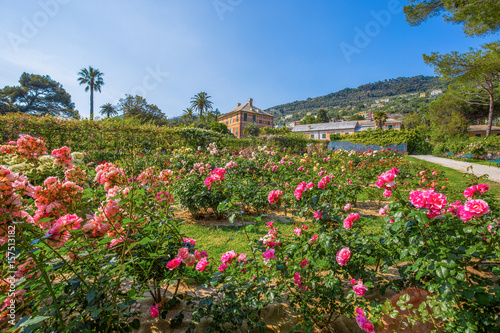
x,y
442,272
91,295
33,321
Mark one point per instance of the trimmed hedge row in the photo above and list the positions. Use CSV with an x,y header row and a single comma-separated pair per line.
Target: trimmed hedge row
x,y
415,141
108,134
114,135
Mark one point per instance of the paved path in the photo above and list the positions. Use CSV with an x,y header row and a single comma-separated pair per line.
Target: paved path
x,y
477,169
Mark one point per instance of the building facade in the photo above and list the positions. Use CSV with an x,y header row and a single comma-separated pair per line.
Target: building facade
x,y
480,130
242,115
322,131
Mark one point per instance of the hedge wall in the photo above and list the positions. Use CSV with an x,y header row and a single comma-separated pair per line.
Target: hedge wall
x,y
113,135
415,141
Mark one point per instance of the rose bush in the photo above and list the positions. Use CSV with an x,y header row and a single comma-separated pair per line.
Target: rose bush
x,y
91,239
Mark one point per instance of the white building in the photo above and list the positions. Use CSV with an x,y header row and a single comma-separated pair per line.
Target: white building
x,y
322,131
436,92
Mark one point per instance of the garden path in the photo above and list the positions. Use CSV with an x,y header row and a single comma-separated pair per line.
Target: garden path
x,y
477,169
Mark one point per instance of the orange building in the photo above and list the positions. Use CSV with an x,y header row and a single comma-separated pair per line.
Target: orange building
x,y
245,114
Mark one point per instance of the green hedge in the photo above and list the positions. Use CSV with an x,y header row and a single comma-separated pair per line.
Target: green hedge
x,y
473,145
110,136
415,141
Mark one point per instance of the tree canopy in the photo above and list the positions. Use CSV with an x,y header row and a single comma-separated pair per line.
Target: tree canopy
x,y
108,110
92,78
476,74
251,129
308,119
6,105
379,118
38,95
322,116
201,102
446,119
478,17
137,106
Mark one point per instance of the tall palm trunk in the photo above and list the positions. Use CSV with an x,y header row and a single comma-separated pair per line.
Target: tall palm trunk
x,y
91,103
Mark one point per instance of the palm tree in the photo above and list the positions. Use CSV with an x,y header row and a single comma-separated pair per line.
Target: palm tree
x,y
93,79
200,101
379,118
108,110
188,115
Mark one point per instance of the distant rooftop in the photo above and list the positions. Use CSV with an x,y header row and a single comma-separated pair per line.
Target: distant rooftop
x,y
474,128
248,107
326,126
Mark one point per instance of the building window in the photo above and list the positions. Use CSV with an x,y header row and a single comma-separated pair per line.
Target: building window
x,y
236,131
323,136
253,118
390,126
244,117
237,118
260,121
269,123
231,121
478,135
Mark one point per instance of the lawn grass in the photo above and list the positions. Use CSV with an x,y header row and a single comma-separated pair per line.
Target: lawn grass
x,y
457,179
218,240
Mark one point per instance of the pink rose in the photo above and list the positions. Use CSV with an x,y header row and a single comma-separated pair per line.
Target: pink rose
x,y
223,267
463,214
313,239
476,207
297,231
197,255
343,256
268,255
202,265
190,241
383,210
270,224
174,263
298,191
227,258
350,219
360,288
304,263
482,188
183,252
317,215
190,260
154,311
274,196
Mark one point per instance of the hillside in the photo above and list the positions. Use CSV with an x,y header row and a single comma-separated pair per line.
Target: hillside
x,y
400,95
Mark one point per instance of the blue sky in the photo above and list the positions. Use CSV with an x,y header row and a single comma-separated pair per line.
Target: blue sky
x,y
274,51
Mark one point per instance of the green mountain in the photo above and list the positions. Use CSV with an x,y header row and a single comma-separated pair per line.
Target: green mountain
x,y
400,95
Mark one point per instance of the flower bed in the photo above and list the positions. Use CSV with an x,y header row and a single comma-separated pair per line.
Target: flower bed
x,y
84,242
